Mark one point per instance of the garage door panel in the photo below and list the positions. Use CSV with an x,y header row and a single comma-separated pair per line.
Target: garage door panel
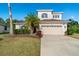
x,y
52,30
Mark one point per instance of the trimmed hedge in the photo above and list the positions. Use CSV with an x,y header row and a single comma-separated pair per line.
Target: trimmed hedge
x,y
73,29
4,33
22,31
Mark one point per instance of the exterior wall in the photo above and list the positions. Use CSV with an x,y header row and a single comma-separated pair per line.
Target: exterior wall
x,y
1,28
18,26
8,29
60,16
49,15
65,27
52,30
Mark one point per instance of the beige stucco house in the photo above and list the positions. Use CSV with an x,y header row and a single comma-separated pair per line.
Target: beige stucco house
x,y
52,23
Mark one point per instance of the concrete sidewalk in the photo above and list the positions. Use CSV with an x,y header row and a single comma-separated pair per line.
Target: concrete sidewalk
x,y
59,46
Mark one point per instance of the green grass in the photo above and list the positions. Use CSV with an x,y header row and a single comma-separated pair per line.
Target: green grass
x,y
75,36
19,46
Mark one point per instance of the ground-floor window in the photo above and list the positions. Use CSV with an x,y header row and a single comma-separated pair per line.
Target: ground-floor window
x,y
5,27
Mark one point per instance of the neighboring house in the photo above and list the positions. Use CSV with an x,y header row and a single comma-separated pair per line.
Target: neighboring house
x,y
3,28
19,25
51,22
6,29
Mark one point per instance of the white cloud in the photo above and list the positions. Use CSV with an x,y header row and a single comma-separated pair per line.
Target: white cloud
x,y
72,17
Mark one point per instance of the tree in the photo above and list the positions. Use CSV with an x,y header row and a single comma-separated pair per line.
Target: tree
x,y
11,23
8,21
72,22
73,27
2,21
15,20
32,21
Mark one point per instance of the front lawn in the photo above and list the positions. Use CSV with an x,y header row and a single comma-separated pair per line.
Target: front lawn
x,y
19,46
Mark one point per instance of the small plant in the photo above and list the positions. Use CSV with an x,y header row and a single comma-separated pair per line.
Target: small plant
x,y
39,34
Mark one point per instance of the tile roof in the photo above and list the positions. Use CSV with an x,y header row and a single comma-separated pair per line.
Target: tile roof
x,y
53,21
19,22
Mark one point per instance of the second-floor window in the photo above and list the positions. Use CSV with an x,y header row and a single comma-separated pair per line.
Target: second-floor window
x,y
44,15
55,16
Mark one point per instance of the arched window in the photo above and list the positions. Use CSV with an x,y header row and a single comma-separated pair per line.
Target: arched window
x,y
44,15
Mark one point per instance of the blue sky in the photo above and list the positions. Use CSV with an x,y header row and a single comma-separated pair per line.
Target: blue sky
x,y
20,10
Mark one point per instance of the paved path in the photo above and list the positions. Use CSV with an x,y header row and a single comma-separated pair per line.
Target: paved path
x,y
59,46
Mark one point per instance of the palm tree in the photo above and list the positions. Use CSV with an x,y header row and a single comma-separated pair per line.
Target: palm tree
x,y
32,21
11,24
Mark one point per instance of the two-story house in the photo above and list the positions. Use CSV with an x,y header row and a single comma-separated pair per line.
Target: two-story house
x,y
52,22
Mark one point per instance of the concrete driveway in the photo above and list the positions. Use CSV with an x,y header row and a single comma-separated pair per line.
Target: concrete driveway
x,y
59,46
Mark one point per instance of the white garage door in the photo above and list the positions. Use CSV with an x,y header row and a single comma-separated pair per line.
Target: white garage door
x,y
52,29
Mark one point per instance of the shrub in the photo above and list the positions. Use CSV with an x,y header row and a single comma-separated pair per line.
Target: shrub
x,y
77,29
26,31
73,29
16,31
22,31
4,32
70,30
39,34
